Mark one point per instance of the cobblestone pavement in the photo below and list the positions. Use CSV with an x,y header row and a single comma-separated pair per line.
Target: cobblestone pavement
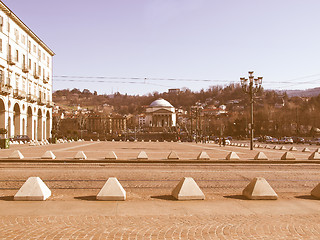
x,y
161,227
149,212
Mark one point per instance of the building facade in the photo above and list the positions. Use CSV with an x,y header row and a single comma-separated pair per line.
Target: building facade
x,y
160,114
25,79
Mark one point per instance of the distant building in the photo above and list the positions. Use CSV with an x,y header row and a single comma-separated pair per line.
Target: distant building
x,y
174,90
160,114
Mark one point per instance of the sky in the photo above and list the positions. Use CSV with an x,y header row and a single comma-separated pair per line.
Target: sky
x,y
143,46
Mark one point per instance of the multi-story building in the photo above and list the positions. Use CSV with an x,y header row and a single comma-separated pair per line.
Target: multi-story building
x,y
25,79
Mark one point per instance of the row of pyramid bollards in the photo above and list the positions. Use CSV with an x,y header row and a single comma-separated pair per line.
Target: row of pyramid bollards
x,y
111,155
34,189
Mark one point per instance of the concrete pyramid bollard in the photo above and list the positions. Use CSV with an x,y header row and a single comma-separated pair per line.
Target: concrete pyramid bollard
x,y
293,149
111,156
173,155
267,147
283,148
316,191
276,147
259,189
16,155
288,156
48,155
260,156
317,150
142,156
203,156
112,191
306,150
255,145
232,156
32,144
80,156
34,189
187,189
314,156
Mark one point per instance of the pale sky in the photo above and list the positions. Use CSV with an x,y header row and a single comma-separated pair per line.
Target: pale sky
x,y
218,40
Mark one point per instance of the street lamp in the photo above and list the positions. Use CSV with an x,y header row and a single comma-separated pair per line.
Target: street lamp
x,y
251,86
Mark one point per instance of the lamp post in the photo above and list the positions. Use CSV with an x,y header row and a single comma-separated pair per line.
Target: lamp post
x,y
251,86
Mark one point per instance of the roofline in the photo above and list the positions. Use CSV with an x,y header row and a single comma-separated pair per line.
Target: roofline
x,y
25,27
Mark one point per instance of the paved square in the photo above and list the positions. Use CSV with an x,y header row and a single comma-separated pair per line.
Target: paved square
x,y
149,211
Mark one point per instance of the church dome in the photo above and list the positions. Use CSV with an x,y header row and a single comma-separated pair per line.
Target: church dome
x,y
160,103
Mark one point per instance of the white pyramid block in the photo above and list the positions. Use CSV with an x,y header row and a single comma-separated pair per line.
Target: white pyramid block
x,y
316,191
173,155
317,150
283,148
276,147
48,155
112,191
111,156
80,155
259,189
34,189
203,156
288,156
306,150
142,156
260,156
267,147
314,156
232,156
187,189
98,140
32,144
16,155
293,149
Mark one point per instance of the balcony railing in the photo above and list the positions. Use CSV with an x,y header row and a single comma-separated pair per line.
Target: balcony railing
x,y
45,79
35,75
42,101
25,68
19,94
10,60
49,104
5,89
31,98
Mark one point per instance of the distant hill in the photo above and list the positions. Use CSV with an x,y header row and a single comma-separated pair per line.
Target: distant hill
x,y
312,92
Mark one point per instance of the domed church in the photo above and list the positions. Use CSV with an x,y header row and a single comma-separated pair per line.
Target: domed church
x,y
160,114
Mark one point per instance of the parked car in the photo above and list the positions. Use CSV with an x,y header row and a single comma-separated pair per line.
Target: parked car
x,y
315,141
286,140
21,138
298,140
270,139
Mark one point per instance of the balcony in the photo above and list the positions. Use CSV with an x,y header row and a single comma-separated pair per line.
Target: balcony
x,y
31,98
42,101
5,89
25,68
10,60
50,104
19,94
36,75
45,79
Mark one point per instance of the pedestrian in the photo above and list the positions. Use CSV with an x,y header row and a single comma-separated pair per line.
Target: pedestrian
x,y
223,141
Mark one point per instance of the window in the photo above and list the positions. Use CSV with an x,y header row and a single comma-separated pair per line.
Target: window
x,y
17,81
29,64
23,39
34,48
8,27
1,23
16,33
23,84
29,46
39,54
47,61
0,45
17,56
39,71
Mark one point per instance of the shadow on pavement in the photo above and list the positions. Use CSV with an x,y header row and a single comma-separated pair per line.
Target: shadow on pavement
x,y
165,197
86,198
241,197
308,197
6,198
